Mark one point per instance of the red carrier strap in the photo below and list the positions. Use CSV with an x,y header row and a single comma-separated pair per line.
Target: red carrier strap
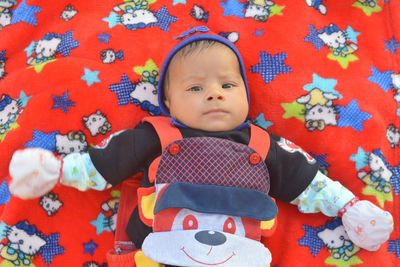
x,y
166,131
259,140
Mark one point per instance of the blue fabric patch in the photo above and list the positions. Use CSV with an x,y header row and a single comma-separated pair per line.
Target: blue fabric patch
x,y
90,247
352,116
394,246
271,65
233,8
25,13
227,200
383,79
311,239
123,89
313,38
43,140
164,19
4,193
62,102
392,45
51,248
67,44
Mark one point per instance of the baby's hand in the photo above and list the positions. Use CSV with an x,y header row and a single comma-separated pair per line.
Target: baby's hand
x,y
34,172
367,225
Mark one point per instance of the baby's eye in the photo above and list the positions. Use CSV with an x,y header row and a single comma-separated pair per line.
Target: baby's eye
x,y
195,89
227,85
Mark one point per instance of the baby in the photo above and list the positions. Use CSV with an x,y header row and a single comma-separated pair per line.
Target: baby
x,y
209,173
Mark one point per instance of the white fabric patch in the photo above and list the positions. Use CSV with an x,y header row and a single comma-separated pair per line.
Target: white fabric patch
x,y
182,248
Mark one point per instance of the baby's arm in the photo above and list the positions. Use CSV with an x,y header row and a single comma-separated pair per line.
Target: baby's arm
x,y
35,171
367,225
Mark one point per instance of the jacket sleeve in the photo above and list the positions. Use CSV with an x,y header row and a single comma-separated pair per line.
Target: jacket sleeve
x,y
125,153
291,169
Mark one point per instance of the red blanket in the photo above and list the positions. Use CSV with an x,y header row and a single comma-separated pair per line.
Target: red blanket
x,y
324,74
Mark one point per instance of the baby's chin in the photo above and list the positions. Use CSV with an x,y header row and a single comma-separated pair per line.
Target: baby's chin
x,y
216,126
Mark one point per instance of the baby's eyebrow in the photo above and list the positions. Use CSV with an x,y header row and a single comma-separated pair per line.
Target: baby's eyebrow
x,y
195,77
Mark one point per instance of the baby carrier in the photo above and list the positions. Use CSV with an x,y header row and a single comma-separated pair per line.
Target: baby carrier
x,y
209,204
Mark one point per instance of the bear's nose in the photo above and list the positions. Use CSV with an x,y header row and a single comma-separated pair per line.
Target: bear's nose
x,y
210,238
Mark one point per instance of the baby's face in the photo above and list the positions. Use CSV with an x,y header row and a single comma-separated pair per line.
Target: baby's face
x,y
206,90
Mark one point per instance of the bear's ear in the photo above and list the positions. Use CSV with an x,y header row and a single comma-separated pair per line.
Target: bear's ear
x,y
146,201
85,119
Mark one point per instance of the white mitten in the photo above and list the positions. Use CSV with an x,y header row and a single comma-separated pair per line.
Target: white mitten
x,y
34,172
367,225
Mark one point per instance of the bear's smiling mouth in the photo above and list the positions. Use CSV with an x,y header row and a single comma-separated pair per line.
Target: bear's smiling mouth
x,y
210,264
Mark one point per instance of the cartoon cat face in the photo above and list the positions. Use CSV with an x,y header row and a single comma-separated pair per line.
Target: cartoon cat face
x,y
47,48
50,203
256,10
5,19
65,145
96,123
393,135
333,40
2,70
7,3
322,112
379,168
28,244
138,16
334,238
145,91
9,113
396,81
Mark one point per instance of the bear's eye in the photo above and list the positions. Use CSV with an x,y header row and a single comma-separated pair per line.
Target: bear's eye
x,y
230,226
190,222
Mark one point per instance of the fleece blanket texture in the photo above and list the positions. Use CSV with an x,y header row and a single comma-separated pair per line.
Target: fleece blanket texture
x,y
321,73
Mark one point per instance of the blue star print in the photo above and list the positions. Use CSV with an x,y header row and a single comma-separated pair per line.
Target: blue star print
x,y
259,32
311,239
321,159
4,193
325,85
260,121
313,38
91,77
104,37
112,19
394,246
352,34
62,102
383,79
99,224
43,140
123,89
179,2
233,8
23,98
352,116
67,44
270,66
392,45
3,230
29,50
51,248
395,179
25,13
360,158
89,247
164,19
